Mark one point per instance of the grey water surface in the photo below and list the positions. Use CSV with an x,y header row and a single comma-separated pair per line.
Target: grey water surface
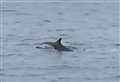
x,y
90,28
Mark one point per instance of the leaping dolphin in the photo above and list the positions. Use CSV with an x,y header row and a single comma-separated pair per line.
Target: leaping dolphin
x,y
58,45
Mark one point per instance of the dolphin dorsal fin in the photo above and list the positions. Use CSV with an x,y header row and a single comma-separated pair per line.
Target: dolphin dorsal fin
x,y
59,40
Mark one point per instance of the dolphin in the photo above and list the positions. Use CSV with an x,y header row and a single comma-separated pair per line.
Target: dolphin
x,y
58,45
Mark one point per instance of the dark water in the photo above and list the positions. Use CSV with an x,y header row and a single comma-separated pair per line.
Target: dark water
x,y
91,29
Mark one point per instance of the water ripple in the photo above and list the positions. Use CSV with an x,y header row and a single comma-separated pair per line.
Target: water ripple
x,y
57,67
7,75
7,10
23,44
